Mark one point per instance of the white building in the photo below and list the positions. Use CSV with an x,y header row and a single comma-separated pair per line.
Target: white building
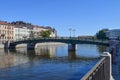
x,y
113,34
38,29
21,33
53,34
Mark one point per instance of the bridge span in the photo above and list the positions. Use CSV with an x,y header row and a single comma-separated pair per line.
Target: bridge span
x,y
71,43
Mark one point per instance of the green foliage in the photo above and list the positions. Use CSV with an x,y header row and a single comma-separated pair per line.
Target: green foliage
x,y
101,34
45,34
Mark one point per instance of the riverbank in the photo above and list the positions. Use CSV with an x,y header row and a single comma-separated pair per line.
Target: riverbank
x,y
37,45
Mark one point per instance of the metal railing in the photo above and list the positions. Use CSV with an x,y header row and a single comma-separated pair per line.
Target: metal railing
x,y
67,38
101,71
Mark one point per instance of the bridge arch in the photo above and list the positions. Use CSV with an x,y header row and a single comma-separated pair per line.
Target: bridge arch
x,y
71,43
31,43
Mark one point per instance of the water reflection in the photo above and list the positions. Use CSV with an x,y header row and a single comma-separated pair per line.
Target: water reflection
x,y
51,60
102,48
72,55
6,59
47,51
87,51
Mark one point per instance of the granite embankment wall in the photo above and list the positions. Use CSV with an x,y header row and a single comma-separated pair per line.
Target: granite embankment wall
x,y
1,46
37,45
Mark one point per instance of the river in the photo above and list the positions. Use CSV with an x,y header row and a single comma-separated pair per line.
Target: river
x,y
49,62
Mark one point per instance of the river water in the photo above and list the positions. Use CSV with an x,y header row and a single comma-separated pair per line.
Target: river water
x,y
49,62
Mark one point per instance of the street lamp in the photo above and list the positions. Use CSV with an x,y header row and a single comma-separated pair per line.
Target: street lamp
x,y
73,32
70,31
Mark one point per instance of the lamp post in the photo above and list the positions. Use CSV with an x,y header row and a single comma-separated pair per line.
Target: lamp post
x,y
70,31
73,32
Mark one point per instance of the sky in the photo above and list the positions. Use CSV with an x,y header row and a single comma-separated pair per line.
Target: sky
x,y
86,17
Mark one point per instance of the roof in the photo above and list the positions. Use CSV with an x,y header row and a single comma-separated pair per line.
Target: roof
x,y
4,23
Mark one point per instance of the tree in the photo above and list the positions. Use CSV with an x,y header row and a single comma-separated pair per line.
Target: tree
x,y
101,34
45,34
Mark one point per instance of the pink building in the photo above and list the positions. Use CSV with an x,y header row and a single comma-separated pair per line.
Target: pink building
x,y
6,32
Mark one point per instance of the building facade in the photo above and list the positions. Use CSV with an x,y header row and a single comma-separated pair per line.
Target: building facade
x,y
6,32
113,34
38,29
53,33
16,32
21,33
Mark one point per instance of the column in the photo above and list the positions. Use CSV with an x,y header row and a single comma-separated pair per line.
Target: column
x,y
30,46
71,47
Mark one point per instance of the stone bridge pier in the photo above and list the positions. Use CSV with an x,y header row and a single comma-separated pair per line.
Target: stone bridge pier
x,y
71,47
31,46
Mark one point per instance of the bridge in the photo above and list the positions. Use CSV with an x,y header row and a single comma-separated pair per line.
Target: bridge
x,y
71,42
